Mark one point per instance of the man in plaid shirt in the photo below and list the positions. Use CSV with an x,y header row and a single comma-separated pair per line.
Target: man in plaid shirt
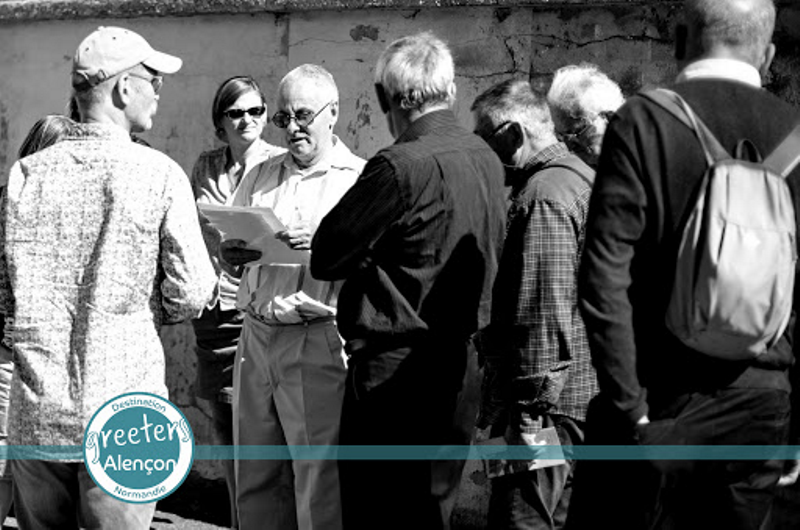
x,y
536,351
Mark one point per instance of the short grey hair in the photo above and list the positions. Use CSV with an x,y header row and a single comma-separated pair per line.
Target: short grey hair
x,y
417,71
576,88
515,100
316,74
743,24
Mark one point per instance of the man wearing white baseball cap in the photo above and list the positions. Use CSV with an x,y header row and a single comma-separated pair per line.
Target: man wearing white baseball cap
x,y
101,247
118,54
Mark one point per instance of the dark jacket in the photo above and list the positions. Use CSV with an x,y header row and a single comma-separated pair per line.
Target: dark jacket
x,y
650,167
417,238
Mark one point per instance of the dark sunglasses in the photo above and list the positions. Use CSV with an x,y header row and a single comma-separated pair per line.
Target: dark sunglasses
x,y
255,112
304,118
156,81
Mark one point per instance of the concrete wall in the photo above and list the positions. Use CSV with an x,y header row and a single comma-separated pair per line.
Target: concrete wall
x,y
629,40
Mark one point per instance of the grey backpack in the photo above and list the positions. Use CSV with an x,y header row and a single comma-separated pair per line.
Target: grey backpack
x,y
735,268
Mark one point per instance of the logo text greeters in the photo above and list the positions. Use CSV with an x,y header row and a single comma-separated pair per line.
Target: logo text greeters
x,y
138,447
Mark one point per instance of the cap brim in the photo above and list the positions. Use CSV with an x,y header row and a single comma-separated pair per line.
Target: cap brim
x,y
163,62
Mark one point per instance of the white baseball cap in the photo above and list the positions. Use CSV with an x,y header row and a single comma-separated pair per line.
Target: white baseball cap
x,y
107,51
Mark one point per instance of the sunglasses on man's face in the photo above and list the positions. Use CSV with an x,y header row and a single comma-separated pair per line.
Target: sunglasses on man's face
x,y
304,117
157,81
255,112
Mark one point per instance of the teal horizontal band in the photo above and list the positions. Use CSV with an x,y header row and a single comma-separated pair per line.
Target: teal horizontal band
x,y
443,452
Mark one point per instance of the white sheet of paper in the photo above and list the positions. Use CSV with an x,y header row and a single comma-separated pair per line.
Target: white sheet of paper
x,y
498,467
257,227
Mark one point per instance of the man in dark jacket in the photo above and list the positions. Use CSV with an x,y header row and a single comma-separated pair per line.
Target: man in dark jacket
x,y
653,389
417,240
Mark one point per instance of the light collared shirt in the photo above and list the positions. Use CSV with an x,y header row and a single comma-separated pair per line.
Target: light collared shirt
x,y
101,245
212,185
296,195
730,69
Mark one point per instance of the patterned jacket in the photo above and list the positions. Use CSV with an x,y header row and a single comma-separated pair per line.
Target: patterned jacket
x,y
101,247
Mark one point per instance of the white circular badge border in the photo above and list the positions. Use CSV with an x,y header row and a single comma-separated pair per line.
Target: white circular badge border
x,y
185,458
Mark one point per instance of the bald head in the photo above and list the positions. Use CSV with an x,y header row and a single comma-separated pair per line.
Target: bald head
x,y
735,29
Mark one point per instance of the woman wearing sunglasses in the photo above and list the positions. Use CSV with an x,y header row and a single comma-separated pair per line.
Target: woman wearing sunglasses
x,y
239,113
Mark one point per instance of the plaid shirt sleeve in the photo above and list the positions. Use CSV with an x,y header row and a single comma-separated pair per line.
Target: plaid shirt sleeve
x,y
546,299
532,351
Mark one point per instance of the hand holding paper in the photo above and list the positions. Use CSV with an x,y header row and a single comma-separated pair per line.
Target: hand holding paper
x,y
233,252
298,236
257,228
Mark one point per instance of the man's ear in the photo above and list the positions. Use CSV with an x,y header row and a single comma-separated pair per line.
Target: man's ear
x,y
769,55
121,92
515,136
334,113
383,101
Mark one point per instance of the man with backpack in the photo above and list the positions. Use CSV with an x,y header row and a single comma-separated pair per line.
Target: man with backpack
x,y
688,328
538,364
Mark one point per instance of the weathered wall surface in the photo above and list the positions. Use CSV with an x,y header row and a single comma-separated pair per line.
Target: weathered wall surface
x,y
630,40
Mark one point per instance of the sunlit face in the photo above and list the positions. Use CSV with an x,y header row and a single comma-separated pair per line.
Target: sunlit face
x,y
584,136
143,104
310,142
241,123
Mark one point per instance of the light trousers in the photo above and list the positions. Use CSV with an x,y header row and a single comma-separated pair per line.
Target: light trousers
x,y
62,495
288,389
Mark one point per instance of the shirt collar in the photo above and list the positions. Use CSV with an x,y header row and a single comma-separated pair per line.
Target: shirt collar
x,y
729,69
339,157
261,151
547,155
538,161
427,123
104,131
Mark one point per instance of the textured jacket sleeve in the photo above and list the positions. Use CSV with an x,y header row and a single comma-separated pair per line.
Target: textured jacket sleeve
x,y
615,224
343,240
188,280
6,296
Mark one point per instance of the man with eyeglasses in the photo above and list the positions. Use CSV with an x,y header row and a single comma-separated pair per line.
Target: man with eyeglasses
x,y
538,372
101,247
582,100
289,371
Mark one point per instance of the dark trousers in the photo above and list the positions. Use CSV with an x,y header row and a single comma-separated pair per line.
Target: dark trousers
x,y
216,337
538,499
684,494
425,397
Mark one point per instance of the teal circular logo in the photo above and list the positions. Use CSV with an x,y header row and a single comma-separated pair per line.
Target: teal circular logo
x,y
138,447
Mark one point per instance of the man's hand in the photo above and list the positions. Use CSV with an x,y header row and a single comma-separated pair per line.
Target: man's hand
x,y
233,252
791,471
481,435
298,236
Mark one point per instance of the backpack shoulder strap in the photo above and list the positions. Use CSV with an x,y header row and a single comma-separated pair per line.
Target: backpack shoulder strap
x,y
673,103
786,156
566,164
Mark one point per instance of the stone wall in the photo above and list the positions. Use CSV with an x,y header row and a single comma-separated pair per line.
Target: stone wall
x,y
491,40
